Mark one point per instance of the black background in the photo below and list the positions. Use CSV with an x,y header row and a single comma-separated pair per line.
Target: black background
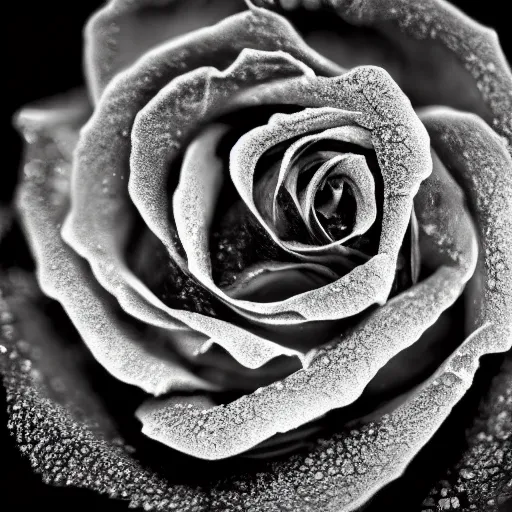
x,y
43,46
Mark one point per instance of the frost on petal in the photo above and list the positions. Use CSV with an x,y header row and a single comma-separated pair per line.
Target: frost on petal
x,y
401,145
473,45
102,214
478,158
337,374
345,471
436,53
42,199
338,473
399,138
365,460
123,30
487,445
108,262
152,154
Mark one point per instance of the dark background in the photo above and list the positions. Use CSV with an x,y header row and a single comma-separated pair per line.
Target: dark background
x,y
43,46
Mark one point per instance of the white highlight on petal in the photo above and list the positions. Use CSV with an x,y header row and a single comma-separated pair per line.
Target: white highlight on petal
x,y
119,348
338,375
334,379
196,195
99,222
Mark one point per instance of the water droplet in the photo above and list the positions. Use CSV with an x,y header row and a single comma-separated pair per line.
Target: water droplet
x,y
448,379
6,317
467,474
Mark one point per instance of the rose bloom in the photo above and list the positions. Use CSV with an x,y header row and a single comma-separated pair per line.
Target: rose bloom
x,y
284,230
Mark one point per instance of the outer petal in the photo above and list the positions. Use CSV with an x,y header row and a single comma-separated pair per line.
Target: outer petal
x,y
481,478
430,28
42,200
475,46
123,30
479,160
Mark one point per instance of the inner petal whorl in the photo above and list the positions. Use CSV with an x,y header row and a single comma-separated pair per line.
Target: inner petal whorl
x,y
343,172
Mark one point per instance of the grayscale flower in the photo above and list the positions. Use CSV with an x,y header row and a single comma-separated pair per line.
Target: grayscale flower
x,y
284,230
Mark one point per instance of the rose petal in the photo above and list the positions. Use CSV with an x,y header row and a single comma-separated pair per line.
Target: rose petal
x,y
479,160
61,362
337,375
394,145
267,281
487,445
347,133
101,216
475,46
42,199
196,195
435,52
193,232
353,168
344,470
395,140
121,31
334,380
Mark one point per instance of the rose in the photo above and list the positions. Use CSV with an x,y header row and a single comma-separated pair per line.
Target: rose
x,y
379,118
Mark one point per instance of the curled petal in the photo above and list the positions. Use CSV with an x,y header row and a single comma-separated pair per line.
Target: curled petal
x,y
268,280
346,470
333,380
436,53
402,150
196,195
335,123
328,302
42,200
354,169
101,216
479,160
123,30
475,46
336,375
394,139
352,134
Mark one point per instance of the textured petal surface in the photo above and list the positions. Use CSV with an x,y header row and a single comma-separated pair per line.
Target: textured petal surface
x,y
43,200
337,375
335,474
425,28
478,158
344,471
475,46
123,30
401,146
481,477
101,216
395,131
390,443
